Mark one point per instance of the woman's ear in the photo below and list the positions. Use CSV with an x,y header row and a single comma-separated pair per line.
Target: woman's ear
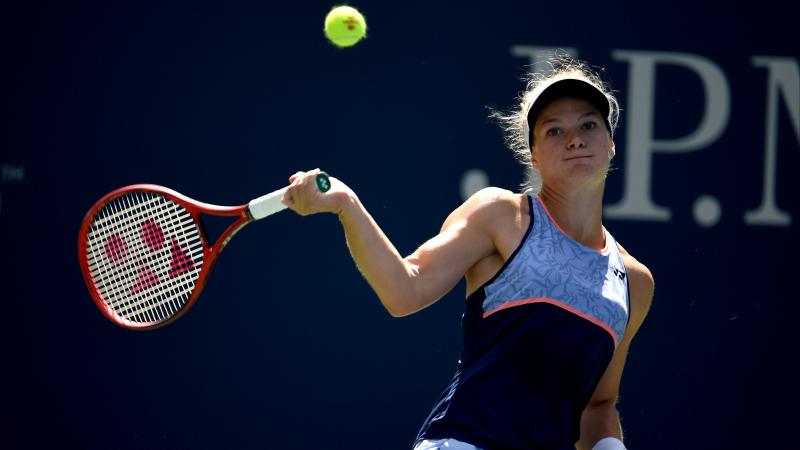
x,y
612,152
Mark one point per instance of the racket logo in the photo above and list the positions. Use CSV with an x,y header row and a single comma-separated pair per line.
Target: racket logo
x,y
115,248
181,261
152,236
146,278
323,182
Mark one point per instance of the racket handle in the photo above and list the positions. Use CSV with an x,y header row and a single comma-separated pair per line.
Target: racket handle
x,y
269,204
266,205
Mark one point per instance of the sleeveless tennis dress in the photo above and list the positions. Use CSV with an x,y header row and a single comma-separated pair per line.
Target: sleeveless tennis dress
x,y
537,338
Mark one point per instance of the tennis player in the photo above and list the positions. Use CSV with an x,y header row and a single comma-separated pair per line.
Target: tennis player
x,y
553,300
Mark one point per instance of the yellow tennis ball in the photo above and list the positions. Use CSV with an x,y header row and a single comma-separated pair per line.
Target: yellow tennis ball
x,y
345,26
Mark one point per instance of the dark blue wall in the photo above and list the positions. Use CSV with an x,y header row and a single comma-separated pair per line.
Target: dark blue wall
x,y
224,101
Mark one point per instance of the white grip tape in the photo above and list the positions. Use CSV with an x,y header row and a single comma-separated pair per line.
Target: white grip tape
x,y
267,204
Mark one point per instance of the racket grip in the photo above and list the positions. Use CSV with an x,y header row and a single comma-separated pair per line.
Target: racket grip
x,y
269,204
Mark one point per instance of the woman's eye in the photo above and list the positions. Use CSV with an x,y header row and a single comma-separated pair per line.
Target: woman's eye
x,y
590,125
553,132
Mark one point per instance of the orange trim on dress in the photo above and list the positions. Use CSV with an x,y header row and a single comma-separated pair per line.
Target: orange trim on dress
x,y
562,305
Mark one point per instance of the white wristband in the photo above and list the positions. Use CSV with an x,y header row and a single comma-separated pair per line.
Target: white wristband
x,y
609,443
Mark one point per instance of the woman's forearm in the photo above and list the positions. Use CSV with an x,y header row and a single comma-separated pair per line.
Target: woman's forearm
x,y
597,422
389,275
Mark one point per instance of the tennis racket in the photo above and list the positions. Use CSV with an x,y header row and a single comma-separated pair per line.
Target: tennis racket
x,y
145,255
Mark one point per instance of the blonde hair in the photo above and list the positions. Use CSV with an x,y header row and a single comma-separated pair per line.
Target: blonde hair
x,y
514,123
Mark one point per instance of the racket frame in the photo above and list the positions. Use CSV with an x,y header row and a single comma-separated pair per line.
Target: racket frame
x,y
210,252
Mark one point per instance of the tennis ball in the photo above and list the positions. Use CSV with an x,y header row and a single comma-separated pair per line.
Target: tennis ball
x,y
345,26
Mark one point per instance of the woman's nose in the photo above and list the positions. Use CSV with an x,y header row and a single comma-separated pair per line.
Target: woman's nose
x,y
574,140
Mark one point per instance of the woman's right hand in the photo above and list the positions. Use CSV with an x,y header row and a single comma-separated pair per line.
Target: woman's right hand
x,y
304,197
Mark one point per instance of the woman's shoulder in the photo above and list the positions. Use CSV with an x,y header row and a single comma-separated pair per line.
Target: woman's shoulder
x,y
491,206
494,201
497,198
495,194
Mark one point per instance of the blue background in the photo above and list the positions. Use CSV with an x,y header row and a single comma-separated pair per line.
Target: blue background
x,y
288,348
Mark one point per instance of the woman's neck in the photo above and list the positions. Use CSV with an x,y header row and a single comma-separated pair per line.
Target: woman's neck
x,y
579,213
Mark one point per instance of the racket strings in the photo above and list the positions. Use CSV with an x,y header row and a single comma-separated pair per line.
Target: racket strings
x,y
140,253
151,302
145,254
137,275
140,264
118,277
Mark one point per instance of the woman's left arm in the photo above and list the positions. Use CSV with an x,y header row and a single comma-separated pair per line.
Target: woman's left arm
x,y
600,418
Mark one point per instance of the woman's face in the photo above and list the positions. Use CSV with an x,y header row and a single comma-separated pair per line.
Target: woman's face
x,y
571,143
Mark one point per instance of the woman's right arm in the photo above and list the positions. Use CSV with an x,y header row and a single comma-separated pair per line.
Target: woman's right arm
x,y
404,285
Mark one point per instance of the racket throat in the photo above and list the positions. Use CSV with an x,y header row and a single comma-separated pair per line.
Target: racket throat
x,y
232,231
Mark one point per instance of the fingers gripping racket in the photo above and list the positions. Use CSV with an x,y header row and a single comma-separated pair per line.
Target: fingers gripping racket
x,y
145,255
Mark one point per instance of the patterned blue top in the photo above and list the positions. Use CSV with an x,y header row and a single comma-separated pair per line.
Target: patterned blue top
x,y
537,338
552,267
